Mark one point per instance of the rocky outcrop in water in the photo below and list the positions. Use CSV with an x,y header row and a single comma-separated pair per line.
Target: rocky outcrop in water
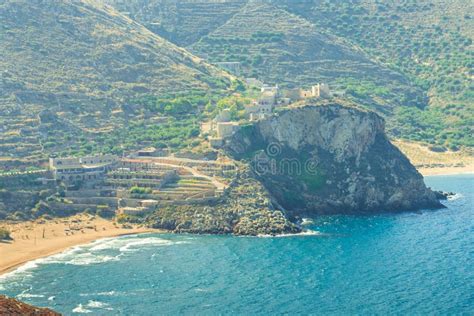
x,y
330,159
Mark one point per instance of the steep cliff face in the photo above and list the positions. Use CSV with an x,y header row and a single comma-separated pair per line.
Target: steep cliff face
x,y
331,159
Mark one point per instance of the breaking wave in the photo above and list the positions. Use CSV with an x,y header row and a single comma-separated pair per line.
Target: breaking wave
x,y
81,310
98,252
455,197
307,232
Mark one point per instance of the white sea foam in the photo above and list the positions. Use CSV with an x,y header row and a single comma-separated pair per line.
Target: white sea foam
x,y
304,233
86,259
29,295
455,197
132,246
90,254
110,293
22,270
51,298
81,310
129,243
307,221
109,243
98,305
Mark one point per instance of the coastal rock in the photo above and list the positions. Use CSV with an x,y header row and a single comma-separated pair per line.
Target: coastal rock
x,y
330,159
441,195
13,307
245,209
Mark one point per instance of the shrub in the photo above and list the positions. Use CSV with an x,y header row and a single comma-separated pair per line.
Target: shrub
x,y
41,208
140,190
104,212
5,234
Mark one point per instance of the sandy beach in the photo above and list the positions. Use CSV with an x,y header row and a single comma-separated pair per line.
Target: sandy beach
x,y
446,171
431,163
37,239
40,238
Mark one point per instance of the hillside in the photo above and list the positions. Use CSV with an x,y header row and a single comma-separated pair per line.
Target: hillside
x,y
428,41
182,22
410,61
69,67
282,48
272,44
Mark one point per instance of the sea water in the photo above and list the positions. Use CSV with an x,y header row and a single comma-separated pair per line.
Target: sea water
x,y
410,263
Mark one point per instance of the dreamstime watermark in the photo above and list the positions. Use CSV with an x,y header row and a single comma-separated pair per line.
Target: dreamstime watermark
x,y
271,161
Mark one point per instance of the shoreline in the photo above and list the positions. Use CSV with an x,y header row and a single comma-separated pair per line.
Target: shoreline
x,y
21,250
446,171
60,234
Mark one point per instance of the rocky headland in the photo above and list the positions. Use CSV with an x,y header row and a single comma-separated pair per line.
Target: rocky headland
x,y
304,161
330,159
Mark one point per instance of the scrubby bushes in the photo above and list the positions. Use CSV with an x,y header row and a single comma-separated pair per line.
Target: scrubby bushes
x,y
104,211
5,234
140,190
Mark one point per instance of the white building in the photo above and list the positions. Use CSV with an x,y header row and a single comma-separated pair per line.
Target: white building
x,y
321,90
83,168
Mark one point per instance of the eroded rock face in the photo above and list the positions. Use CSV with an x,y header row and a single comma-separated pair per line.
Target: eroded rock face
x,y
331,159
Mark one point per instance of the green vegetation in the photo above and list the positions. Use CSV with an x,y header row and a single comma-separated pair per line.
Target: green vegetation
x,y
80,78
430,126
70,71
426,41
104,211
5,234
402,53
140,190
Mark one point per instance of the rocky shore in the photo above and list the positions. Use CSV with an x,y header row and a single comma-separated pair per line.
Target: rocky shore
x,y
331,159
246,208
305,161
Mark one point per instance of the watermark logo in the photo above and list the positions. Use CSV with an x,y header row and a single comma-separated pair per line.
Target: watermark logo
x,y
273,162
273,150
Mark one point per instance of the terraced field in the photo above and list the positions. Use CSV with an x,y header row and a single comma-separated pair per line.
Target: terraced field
x,y
181,22
410,61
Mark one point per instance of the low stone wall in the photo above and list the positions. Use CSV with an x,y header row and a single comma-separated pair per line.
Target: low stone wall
x,y
89,193
110,201
69,209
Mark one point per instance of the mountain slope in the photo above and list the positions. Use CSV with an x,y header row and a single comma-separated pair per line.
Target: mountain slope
x,y
68,68
182,22
79,47
431,42
282,48
410,54
273,44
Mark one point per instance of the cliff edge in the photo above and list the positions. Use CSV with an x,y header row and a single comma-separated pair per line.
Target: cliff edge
x,y
330,159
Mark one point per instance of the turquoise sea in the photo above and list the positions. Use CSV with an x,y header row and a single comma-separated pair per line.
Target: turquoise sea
x,y
411,263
